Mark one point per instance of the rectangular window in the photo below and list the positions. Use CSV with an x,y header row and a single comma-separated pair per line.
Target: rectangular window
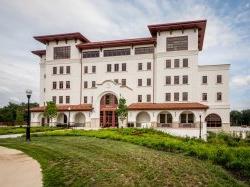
x,y
54,99
168,80
219,78
162,118
85,99
168,97
67,99
68,84
93,84
176,63
204,96
116,67
204,79
185,63
109,68
44,90
176,79
185,79
139,82
139,98
168,63
139,66
190,118
93,69
90,54
176,96
116,81
61,84
148,98
219,96
177,43
85,84
144,50
68,69
148,82
85,69
148,65
61,69
116,52
60,99
62,52
54,85
184,96
54,70
124,67
123,82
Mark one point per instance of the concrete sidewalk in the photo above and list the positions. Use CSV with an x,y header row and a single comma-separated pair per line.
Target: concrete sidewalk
x,y
18,169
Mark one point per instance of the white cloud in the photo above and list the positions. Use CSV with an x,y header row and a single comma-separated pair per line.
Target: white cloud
x,y
241,81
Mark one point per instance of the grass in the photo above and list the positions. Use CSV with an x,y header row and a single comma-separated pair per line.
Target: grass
x,y
20,130
89,161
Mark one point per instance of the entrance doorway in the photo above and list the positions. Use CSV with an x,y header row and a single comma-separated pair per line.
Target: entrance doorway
x,y
108,116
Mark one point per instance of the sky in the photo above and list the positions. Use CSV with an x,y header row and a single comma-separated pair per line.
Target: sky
x,y
227,38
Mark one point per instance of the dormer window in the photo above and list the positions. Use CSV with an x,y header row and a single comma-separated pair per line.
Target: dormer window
x,y
62,52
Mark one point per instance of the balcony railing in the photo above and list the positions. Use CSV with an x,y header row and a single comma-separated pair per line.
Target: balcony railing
x,y
187,125
164,125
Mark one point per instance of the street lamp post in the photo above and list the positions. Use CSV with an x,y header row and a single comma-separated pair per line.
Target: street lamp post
x,y
28,94
69,117
200,125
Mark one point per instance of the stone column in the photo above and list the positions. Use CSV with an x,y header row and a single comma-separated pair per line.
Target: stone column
x,y
204,131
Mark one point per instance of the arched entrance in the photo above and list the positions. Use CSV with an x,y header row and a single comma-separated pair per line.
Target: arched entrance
x,y
213,120
80,119
62,119
164,119
142,119
108,116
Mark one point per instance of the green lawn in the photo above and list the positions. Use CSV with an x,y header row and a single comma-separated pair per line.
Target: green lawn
x,y
89,161
20,130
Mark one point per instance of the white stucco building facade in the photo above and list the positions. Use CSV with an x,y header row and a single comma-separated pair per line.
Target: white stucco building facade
x,y
159,76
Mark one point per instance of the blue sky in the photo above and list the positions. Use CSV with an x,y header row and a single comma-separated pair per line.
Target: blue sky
x,y
227,38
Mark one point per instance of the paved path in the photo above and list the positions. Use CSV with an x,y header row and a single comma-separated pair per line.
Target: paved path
x,y
10,136
18,170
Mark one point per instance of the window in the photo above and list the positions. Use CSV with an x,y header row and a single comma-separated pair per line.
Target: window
x,y
148,98
44,90
93,84
148,82
54,85
90,54
123,82
67,99
184,96
185,63
116,67
204,96
219,96
54,99
62,52
177,43
204,79
168,63
166,118
139,66
168,80
85,69
68,69
85,84
144,50
176,63
139,98
139,82
148,65
116,52
61,84
61,69
67,84
85,99
116,81
60,99
168,97
185,79
44,76
213,120
124,67
187,118
109,67
54,70
176,96
93,69
176,79
219,78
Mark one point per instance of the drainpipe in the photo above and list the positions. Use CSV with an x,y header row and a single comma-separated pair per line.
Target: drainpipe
x,y
154,76
81,80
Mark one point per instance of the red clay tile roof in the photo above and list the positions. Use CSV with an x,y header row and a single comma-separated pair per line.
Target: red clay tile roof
x,y
199,24
57,37
82,107
39,52
117,43
166,106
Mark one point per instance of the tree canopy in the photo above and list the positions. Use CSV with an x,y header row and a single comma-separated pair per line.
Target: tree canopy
x,y
50,110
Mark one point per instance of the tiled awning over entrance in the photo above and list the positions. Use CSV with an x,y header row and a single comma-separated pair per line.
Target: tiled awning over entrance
x,y
82,107
167,106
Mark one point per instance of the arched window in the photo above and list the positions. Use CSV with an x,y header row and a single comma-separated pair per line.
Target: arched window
x,y
213,120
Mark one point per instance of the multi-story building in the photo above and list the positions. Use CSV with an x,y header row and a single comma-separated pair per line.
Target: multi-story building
x,y
159,76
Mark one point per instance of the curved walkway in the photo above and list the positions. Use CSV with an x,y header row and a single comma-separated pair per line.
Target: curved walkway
x,y
18,169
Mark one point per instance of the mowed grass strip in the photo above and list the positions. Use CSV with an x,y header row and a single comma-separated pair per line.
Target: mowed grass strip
x,y
21,130
89,161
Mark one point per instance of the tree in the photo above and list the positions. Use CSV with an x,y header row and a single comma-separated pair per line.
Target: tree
x,y
50,110
122,109
19,116
246,117
235,118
